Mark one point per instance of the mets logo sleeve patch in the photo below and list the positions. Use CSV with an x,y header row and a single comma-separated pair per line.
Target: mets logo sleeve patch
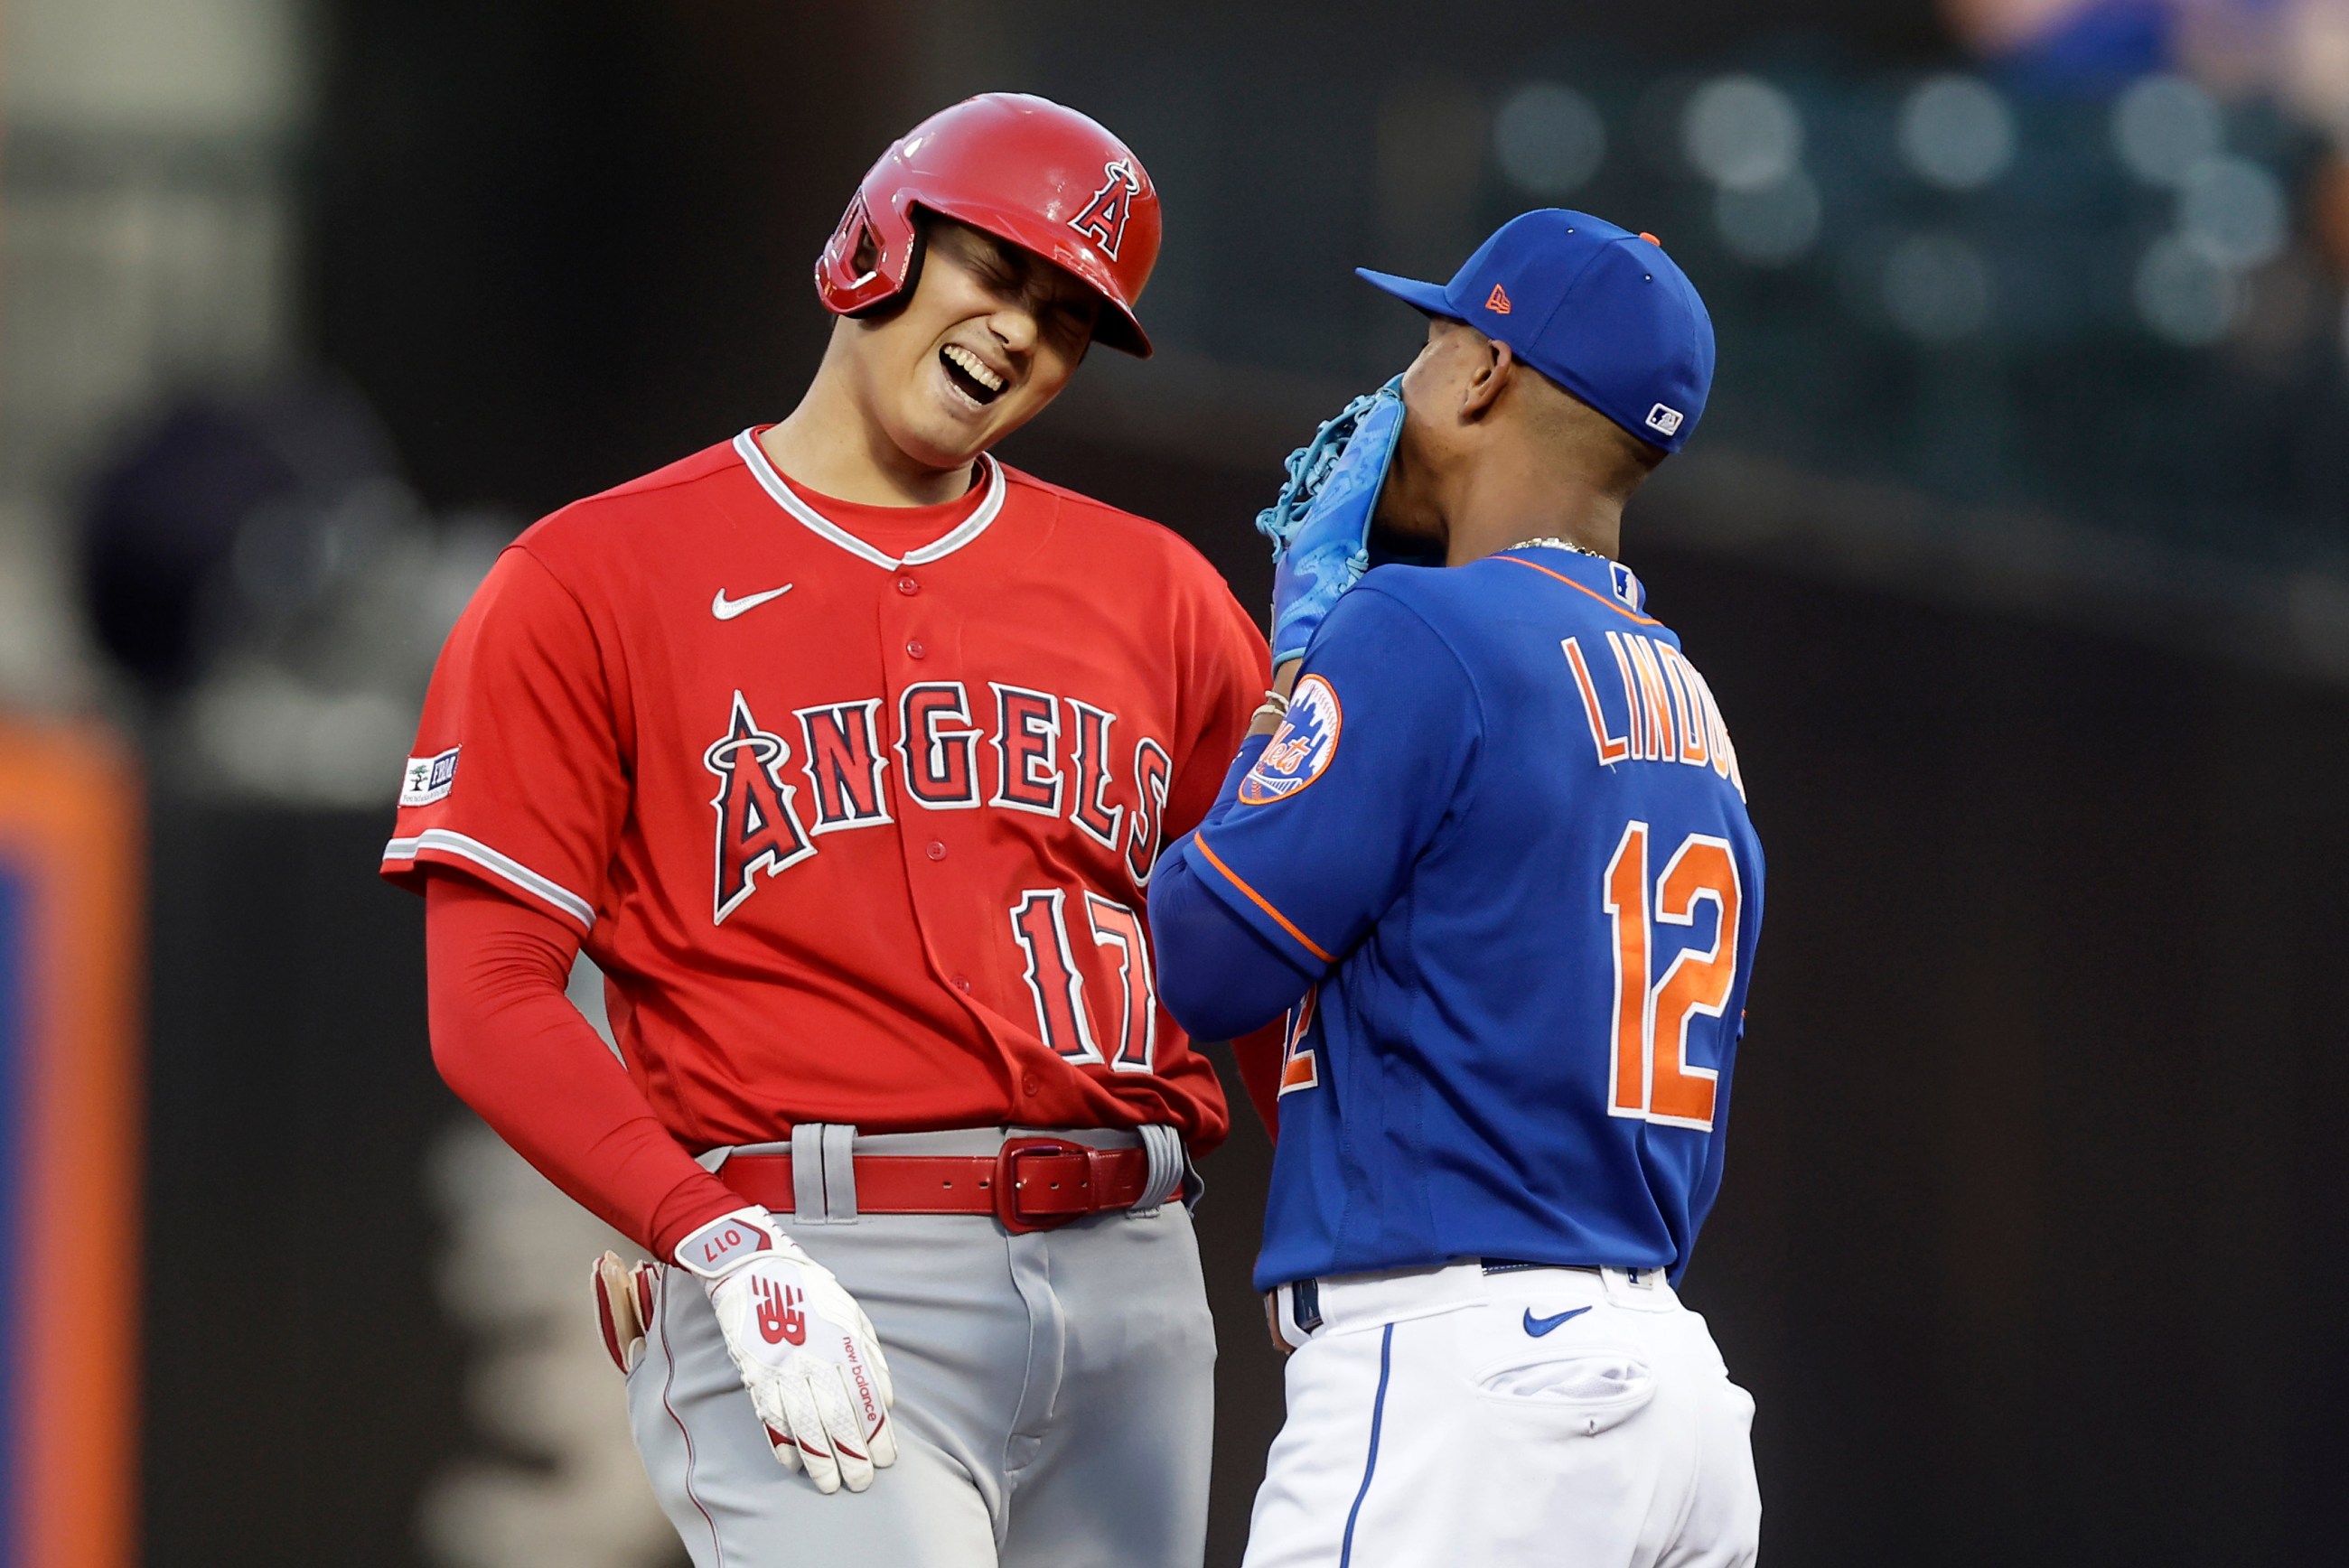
x,y
1313,877
1301,748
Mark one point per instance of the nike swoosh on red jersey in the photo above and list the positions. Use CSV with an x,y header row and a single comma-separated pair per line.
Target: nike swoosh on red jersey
x,y
725,609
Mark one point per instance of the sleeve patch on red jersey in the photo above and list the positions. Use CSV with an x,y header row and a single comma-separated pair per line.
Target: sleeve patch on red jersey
x,y
1301,748
429,778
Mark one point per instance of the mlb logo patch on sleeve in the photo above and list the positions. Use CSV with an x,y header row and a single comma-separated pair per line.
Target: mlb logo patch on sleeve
x,y
427,779
1300,749
1628,587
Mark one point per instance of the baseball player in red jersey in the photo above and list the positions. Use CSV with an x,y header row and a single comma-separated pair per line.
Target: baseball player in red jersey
x,y
846,751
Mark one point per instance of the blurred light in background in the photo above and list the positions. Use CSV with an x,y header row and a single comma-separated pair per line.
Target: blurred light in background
x,y
1771,226
1745,136
2184,295
2162,126
1742,133
1549,139
2232,211
1956,132
1937,287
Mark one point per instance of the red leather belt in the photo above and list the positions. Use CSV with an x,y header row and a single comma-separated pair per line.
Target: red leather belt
x,y
1030,1184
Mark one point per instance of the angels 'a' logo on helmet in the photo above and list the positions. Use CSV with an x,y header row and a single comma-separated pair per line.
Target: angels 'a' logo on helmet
x,y
1300,749
1104,219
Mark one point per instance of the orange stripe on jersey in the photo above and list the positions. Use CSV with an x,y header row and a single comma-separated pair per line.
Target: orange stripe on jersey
x,y
1259,900
1603,599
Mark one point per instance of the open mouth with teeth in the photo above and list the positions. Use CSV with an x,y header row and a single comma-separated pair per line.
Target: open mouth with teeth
x,y
969,375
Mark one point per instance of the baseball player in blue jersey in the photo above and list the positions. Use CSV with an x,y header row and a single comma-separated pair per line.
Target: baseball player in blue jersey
x,y
1498,843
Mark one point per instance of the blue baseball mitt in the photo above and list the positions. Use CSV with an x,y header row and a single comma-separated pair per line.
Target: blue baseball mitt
x,y
1321,525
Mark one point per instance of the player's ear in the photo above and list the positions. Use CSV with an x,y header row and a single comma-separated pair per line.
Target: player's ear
x,y
1490,372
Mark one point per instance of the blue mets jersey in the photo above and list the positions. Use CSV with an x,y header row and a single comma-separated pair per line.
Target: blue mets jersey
x,y
1502,839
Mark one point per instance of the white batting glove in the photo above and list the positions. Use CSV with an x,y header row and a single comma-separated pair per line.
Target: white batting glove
x,y
805,1349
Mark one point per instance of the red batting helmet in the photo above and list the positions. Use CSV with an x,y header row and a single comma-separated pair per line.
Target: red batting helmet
x,y
1024,168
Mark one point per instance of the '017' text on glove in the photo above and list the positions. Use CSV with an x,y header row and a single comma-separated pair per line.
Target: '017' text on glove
x,y
806,1351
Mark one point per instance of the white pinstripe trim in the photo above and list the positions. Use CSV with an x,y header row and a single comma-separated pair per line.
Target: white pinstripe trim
x,y
502,866
970,528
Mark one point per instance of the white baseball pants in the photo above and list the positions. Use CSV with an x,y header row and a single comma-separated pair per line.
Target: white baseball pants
x,y
1542,1415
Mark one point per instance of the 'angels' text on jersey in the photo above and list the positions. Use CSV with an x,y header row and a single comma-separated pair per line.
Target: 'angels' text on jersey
x,y
1046,755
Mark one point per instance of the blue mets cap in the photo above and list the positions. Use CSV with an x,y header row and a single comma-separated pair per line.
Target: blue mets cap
x,y
1600,310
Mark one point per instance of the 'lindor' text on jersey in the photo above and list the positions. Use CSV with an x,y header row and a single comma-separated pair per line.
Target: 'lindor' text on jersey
x,y
1667,713
1046,755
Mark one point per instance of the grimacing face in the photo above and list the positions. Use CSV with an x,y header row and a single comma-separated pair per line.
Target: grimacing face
x,y
991,334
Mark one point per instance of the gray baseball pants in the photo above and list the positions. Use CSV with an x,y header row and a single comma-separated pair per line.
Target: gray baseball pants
x,y
1054,1396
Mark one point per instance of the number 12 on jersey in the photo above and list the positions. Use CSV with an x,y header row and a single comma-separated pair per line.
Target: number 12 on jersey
x,y
1648,1074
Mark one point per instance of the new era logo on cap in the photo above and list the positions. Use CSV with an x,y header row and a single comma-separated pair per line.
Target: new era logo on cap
x,y
1664,420
1498,301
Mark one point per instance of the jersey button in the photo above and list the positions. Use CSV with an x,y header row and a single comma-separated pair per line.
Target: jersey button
x,y
1029,1084
962,984
907,586
937,851
915,651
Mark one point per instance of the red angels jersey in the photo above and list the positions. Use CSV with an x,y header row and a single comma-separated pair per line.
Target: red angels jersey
x,y
858,824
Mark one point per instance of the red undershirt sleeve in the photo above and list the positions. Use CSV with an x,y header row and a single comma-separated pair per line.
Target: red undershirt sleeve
x,y
513,1048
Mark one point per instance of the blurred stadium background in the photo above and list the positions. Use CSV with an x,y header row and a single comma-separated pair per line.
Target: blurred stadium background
x,y
2017,542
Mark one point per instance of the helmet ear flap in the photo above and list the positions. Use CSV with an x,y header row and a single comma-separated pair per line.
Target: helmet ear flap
x,y
854,275
892,296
